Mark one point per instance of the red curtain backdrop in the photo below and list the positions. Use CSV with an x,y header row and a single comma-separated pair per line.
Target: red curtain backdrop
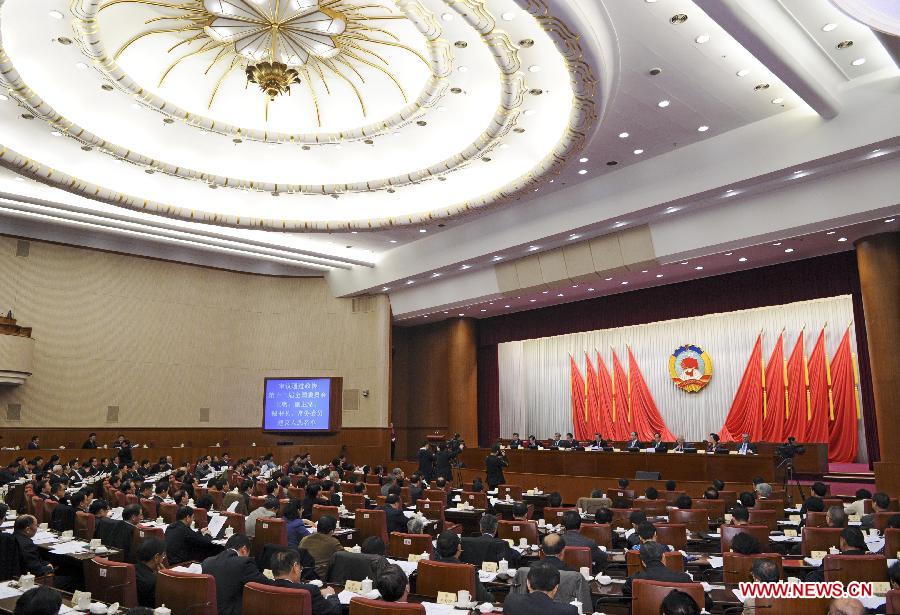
x,y
796,421
745,415
773,423
842,436
813,278
621,407
578,401
593,422
645,415
819,408
609,429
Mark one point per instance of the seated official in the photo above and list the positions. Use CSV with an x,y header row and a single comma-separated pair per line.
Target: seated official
x,y
322,545
836,517
633,441
24,529
714,444
286,569
393,513
487,547
683,502
232,569
448,550
571,521
294,523
150,557
542,584
745,544
740,515
646,532
852,543
635,518
532,443
184,543
653,569
680,446
679,603
858,506
711,493
658,445
569,442
552,547
516,442
392,583
881,502
763,491
747,499
598,441
40,600
268,509
746,448
603,516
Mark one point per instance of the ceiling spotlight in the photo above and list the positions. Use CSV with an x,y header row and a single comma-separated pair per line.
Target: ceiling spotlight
x,y
497,258
842,239
545,292
582,172
623,135
684,262
465,266
534,69
608,279
789,250
889,220
829,27
575,286
463,69
830,233
508,16
662,104
624,283
447,16
659,275
845,44
777,243
384,289
703,128
678,18
422,230
777,101
484,310
743,72
619,224
742,259
81,65
436,274
56,15
573,237
559,295
703,38
728,253
638,152
532,301
56,133
533,248
506,306
590,290
699,267
583,159
858,62
462,314
408,282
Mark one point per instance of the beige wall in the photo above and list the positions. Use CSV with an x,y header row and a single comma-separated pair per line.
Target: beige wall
x,y
162,340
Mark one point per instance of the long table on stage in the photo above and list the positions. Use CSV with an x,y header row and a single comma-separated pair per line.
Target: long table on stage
x,y
687,466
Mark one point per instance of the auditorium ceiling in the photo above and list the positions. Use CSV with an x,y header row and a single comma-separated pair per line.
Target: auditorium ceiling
x,y
414,147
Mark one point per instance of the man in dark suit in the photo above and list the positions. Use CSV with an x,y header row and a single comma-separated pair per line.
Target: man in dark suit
x,y
287,571
495,462
746,448
598,441
91,442
426,462
574,538
182,542
9,474
449,548
393,513
552,547
232,569
658,445
150,556
487,547
569,442
633,442
442,461
542,584
34,444
516,442
852,543
652,568
24,529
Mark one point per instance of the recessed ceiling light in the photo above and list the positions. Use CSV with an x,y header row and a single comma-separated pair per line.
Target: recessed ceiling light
x,y
662,104
545,292
559,295
624,283
742,259
842,239
422,230
465,266
582,172
743,72
619,224
56,133
529,112
684,262
777,243
393,241
643,271
534,69
410,281
830,233
436,274
638,152
533,248
889,220
659,275
608,279
703,38
845,44
590,290
508,16
703,128
623,135
583,159
56,15
81,65
649,1
575,286
497,258
532,301
506,306
573,237
699,267
829,27
447,16
728,253
20,179
789,250
462,314
484,310
858,62
385,289
777,101
463,69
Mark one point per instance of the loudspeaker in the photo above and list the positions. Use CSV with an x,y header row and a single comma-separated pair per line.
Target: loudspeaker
x,y
644,475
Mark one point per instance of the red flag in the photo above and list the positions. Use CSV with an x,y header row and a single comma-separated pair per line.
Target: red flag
x,y
819,407
621,401
745,415
773,423
645,416
593,397
796,421
578,399
842,438
606,426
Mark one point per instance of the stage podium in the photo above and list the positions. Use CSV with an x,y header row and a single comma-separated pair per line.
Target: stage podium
x,y
436,438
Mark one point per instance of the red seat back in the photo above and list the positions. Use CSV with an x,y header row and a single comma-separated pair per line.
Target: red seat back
x,y
370,523
85,525
401,546
364,606
513,491
846,568
516,530
352,501
168,511
673,534
647,596
696,520
760,532
554,515
737,568
259,599
110,581
601,533
269,530
577,557
434,577
769,518
185,593
149,508
819,539
816,519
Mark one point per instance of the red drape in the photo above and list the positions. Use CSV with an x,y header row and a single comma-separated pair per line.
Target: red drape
x,y
796,421
578,400
621,401
842,437
745,415
593,422
645,415
819,408
607,426
773,423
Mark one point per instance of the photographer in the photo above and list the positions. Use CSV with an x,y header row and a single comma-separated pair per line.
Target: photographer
x,y
495,462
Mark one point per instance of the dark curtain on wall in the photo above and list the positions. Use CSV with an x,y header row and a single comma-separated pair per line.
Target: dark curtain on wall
x,y
825,276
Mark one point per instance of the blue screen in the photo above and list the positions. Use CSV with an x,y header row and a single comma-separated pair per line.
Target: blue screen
x,y
297,404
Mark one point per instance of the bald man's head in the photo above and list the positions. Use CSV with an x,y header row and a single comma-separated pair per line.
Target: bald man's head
x,y
846,606
553,544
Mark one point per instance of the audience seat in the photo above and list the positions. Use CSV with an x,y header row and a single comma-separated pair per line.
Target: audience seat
x,y
672,534
819,539
269,530
218,498
577,558
882,519
760,532
695,520
168,511
671,496
771,504
672,560
320,511
621,517
262,599
716,508
364,606
892,606
647,596
141,533
652,508
846,568
370,523
438,495
729,497
477,499
431,509
110,581
185,593
256,501
236,521
401,546
554,515
601,533
353,501
829,502
149,508
513,491
816,519
434,577
85,525
791,606
592,505
891,542
201,518
769,518
37,508
516,530
296,493
736,567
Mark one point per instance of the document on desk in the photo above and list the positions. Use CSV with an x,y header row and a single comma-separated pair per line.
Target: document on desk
x,y
68,548
194,568
216,523
8,592
43,538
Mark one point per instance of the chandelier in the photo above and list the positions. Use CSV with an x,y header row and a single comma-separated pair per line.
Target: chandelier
x,y
275,36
